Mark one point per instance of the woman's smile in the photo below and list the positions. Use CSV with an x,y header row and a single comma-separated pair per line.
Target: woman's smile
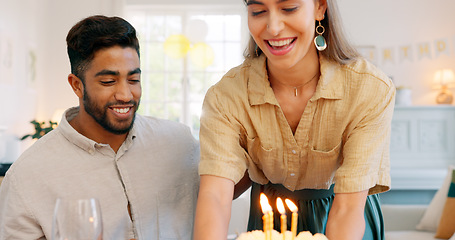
x,y
280,46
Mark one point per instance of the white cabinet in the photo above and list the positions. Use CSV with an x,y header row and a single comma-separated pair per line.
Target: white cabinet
x,y
422,146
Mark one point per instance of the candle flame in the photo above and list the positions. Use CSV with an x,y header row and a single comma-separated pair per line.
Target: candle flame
x,y
280,205
291,205
265,206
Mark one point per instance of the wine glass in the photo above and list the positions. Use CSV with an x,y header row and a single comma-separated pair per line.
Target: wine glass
x,y
77,219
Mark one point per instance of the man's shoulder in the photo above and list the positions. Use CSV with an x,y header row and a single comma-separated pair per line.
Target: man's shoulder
x,y
37,163
48,144
165,131
160,135
38,153
157,124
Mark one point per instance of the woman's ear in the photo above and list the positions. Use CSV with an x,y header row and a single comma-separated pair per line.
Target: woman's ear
x,y
321,8
76,84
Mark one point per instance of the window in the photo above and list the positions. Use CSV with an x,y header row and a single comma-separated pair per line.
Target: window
x,y
174,88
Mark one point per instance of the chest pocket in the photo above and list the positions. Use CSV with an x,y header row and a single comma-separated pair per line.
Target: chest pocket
x,y
262,159
176,208
323,164
260,154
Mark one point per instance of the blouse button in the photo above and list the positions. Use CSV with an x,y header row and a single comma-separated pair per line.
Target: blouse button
x,y
294,151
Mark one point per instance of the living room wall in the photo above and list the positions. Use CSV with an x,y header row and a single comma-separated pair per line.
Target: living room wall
x,y
34,65
408,26
18,93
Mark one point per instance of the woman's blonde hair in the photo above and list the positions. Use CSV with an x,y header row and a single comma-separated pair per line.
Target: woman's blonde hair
x,y
338,47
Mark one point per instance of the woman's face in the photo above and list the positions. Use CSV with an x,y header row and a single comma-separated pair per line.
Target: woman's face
x,y
284,29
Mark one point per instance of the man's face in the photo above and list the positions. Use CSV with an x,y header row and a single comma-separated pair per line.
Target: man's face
x,y
112,89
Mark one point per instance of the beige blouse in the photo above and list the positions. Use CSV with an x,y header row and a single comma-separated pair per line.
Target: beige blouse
x,y
343,136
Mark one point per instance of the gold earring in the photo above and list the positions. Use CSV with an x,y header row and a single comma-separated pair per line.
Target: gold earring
x,y
319,41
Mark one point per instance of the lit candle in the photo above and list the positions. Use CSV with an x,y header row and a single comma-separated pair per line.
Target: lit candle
x,y
293,209
270,222
266,209
280,206
265,224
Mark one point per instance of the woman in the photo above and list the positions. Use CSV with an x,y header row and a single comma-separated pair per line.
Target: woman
x,y
302,121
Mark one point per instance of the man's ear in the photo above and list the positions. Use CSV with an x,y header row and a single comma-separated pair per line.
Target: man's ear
x,y
76,84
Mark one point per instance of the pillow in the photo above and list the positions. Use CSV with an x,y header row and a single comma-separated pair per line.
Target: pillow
x,y
432,216
446,227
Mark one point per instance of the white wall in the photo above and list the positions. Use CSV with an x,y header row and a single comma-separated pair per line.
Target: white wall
x,y
42,26
18,95
58,17
391,24
17,32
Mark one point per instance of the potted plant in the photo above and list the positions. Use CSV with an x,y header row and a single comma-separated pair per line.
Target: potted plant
x,y
40,129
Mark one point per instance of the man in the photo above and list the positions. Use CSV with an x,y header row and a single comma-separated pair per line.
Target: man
x,y
142,170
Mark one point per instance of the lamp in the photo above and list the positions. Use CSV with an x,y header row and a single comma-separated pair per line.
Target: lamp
x,y
444,79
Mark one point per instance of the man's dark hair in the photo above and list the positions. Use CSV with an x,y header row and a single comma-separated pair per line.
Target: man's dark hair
x,y
95,33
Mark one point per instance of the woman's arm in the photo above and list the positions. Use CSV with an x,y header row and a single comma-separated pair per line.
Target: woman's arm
x,y
213,210
346,217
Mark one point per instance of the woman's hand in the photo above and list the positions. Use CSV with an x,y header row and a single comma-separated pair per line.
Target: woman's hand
x,y
346,217
213,210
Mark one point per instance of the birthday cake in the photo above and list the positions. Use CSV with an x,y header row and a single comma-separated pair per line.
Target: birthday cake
x,y
260,235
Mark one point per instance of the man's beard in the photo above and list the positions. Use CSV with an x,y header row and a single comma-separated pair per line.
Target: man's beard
x,y
99,114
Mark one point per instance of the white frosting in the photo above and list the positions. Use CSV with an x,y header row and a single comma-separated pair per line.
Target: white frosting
x,y
260,235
